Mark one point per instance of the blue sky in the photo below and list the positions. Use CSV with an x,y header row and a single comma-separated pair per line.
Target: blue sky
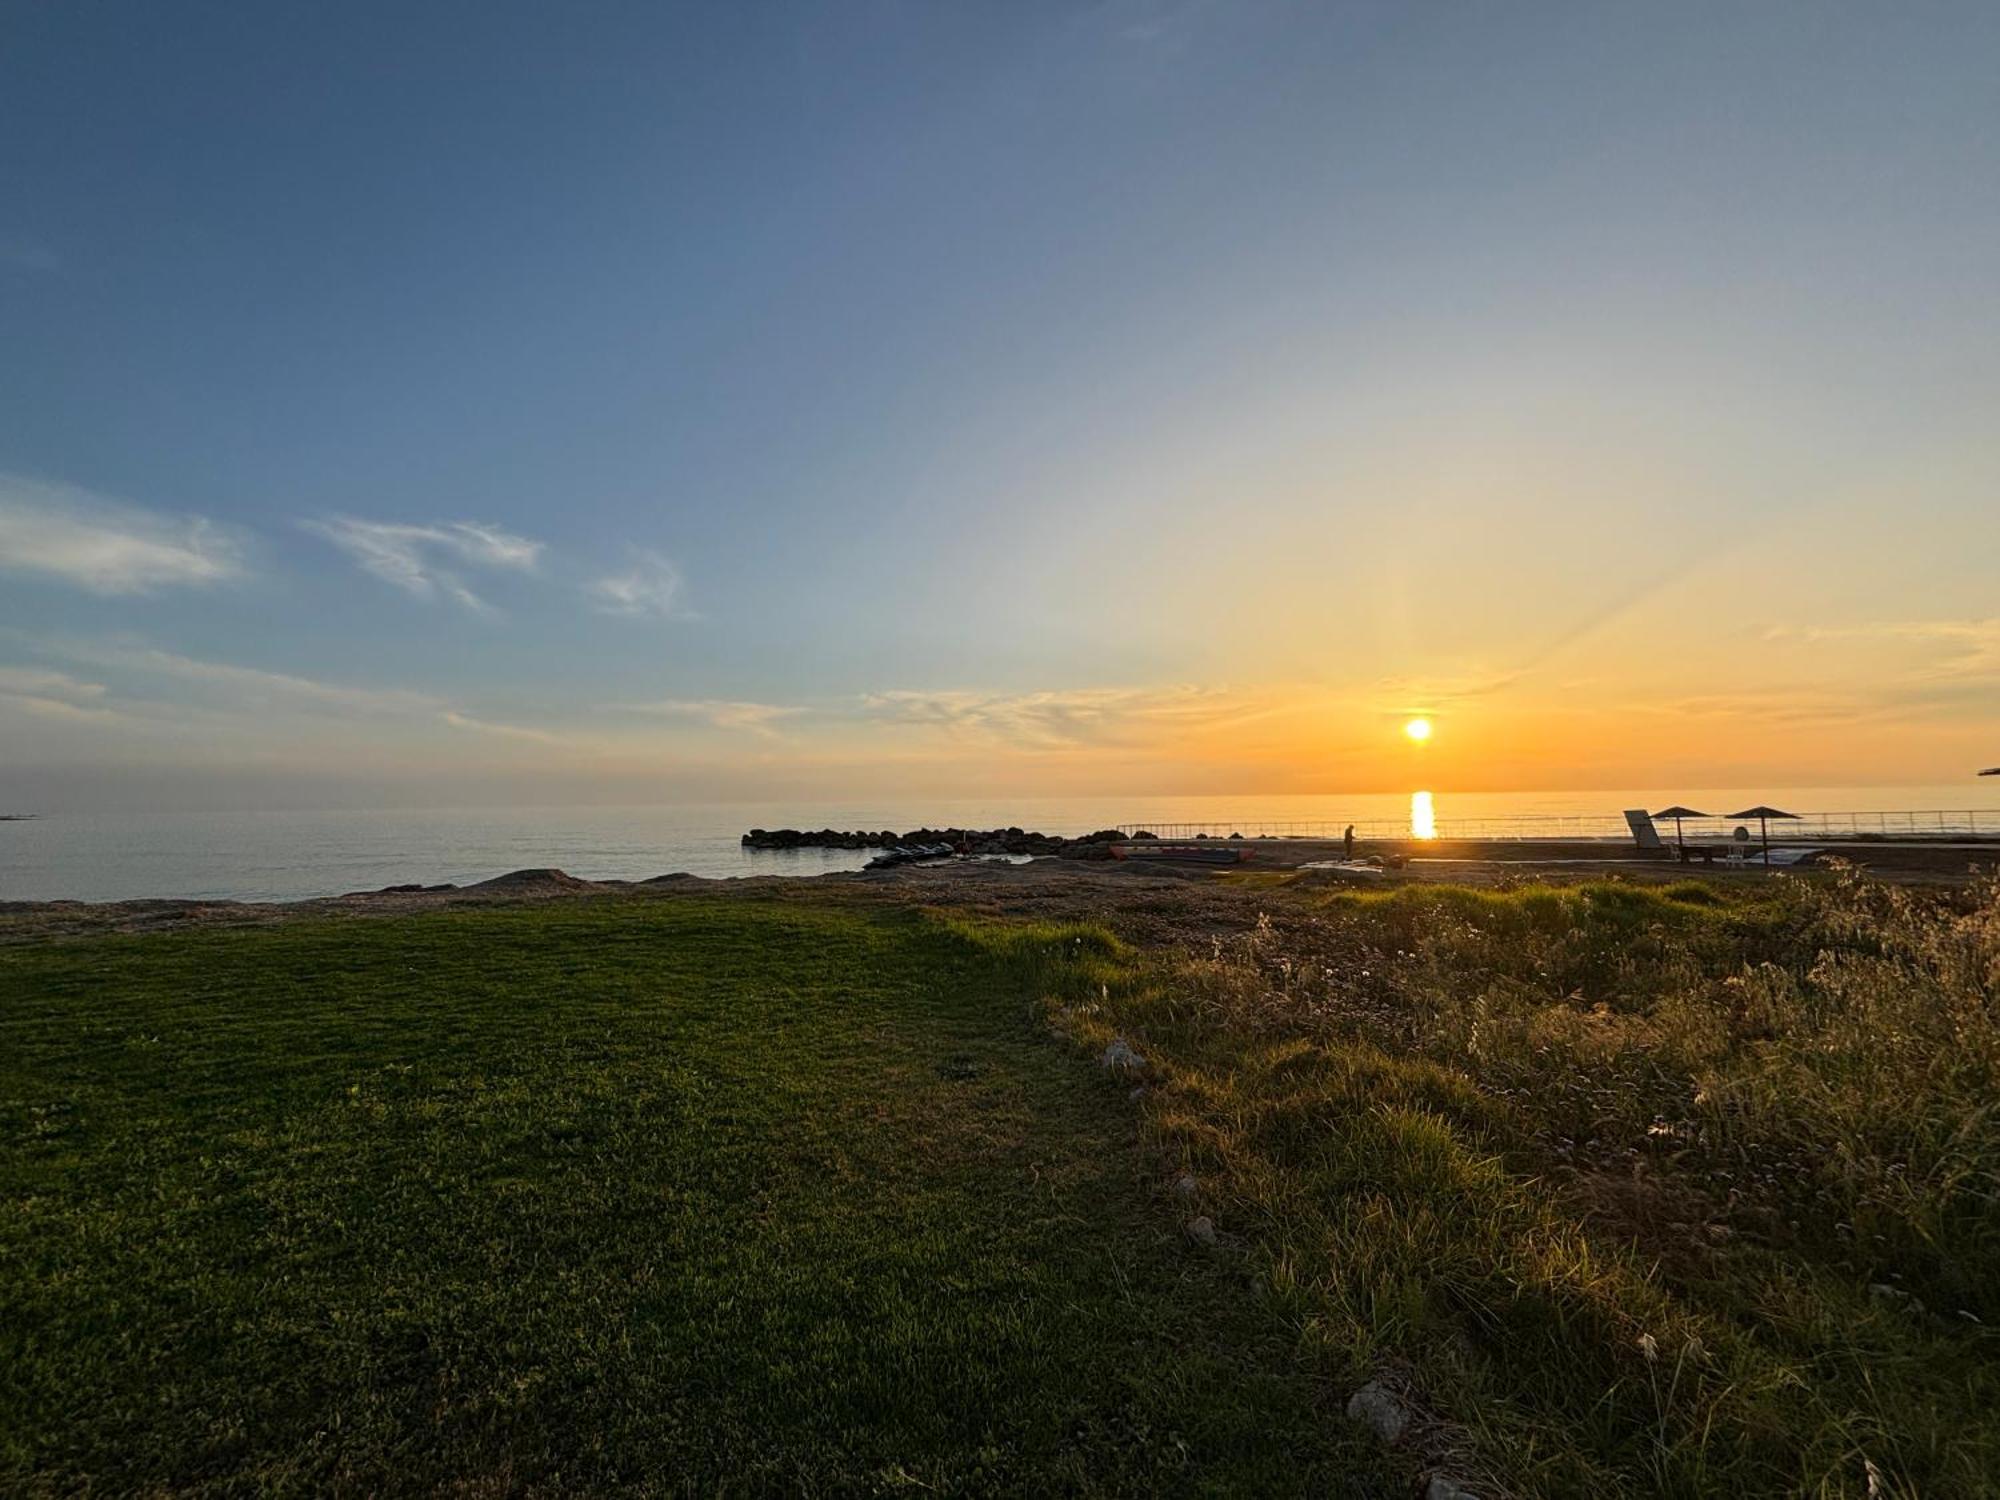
x,y
1150,396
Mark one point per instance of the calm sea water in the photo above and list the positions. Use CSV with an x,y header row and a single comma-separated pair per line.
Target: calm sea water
x,y
265,856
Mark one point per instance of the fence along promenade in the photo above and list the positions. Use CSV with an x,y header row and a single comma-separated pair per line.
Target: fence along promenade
x,y
1926,825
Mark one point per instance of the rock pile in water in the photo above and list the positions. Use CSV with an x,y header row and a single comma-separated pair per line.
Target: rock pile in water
x,y
968,840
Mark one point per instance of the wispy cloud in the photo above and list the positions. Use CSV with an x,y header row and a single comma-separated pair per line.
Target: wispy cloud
x,y
251,686
52,694
415,558
105,546
1069,717
164,689
717,713
1958,650
1167,24
1406,695
651,588
1777,705
458,720
43,681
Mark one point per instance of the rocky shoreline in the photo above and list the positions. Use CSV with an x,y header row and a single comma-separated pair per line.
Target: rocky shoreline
x,y
959,840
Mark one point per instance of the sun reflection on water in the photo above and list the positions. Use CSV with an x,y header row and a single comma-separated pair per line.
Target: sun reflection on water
x,y
1423,817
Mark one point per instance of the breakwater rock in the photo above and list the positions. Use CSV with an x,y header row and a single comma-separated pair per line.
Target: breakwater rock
x,y
959,840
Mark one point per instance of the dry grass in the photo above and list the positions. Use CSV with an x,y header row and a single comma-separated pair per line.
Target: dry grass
x,y
1647,1190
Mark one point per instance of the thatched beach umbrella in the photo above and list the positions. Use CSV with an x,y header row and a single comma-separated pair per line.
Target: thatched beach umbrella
x,y
1677,812
1763,815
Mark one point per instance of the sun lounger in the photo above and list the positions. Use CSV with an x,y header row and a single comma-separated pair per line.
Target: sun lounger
x,y
1643,832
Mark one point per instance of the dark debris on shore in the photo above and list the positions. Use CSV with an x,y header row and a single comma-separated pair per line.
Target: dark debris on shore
x,y
958,840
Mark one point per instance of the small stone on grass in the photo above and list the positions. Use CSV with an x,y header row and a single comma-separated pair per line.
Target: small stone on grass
x,y
1376,1406
1120,1055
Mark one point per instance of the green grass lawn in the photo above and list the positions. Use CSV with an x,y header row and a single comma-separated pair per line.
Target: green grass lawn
x,y
670,1196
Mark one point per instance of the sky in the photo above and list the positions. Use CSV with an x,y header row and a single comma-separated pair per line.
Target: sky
x,y
439,402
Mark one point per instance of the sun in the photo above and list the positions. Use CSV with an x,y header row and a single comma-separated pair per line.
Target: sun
x,y
1418,730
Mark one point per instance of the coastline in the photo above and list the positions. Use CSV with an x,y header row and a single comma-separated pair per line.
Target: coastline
x,y
112,854
1050,885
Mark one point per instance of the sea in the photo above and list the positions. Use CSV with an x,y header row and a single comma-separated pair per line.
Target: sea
x,y
292,855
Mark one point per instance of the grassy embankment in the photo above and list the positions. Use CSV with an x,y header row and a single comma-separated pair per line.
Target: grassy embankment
x,y
1682,1190
574,1197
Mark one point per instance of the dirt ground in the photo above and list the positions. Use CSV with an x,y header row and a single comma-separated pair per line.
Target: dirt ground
x,y
1487,859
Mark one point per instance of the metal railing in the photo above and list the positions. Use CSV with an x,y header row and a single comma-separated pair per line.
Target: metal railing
x,y
1929,825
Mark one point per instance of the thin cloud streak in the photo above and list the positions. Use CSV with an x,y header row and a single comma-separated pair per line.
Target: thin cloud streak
x,y
458,720
252,685
1420,695
717,713
59,708
1070,717
40,680
1964,650
55,695
408,556
105,546
251,691
1780,705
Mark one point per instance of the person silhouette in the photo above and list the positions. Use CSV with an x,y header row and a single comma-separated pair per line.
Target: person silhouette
x,y
1347,843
